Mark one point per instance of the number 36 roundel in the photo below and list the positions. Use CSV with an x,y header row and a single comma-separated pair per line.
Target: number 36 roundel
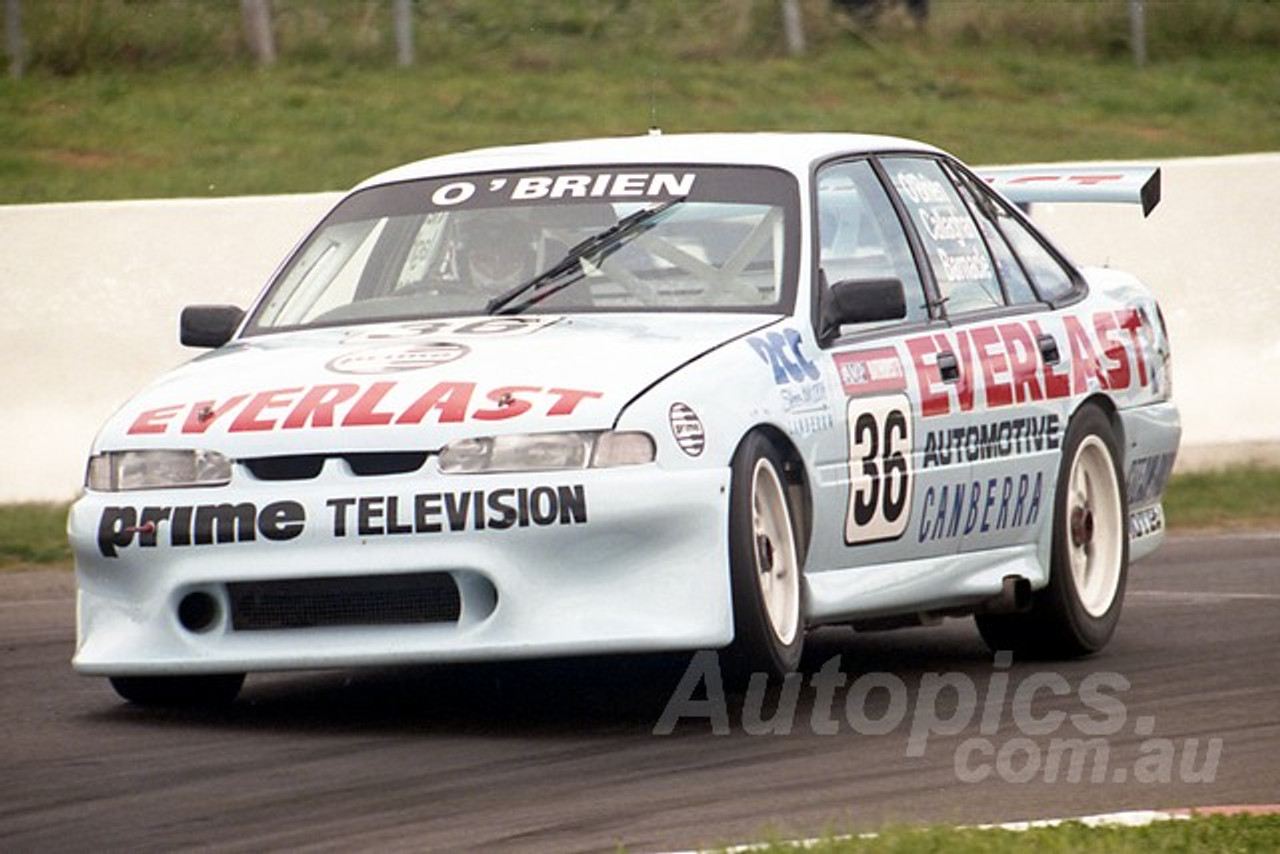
x,y
879,469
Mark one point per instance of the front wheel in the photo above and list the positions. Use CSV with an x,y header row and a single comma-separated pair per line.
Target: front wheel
x,y
190,691
1077,612
764,564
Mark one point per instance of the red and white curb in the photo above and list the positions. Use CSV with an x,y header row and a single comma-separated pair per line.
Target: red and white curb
x,y
1127,818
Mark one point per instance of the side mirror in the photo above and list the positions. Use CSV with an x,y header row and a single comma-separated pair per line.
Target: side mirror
x,y
208,325
861,301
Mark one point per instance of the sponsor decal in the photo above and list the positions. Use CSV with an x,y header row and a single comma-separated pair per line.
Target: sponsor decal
x,y
798,378
1146,522
1000,365
687,429
468,510
980,506
871,372
783,353
491,327
1148,477
994,440
197,525
807,409
365,516
394,360
343,405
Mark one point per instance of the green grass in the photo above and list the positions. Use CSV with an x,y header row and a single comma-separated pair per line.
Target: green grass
x,y
34,534
1202,835
121,105
1240,496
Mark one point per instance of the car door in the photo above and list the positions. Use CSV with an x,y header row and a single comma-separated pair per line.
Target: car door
x,y
874,488
989,403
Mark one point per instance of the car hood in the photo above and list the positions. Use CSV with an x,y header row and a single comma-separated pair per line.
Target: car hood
x,y
415,385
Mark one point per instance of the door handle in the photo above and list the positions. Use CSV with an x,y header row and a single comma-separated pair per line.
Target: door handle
x,y
1049,349
948,366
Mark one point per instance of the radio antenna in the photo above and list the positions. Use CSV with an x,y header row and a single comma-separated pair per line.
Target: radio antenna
x,y
654,128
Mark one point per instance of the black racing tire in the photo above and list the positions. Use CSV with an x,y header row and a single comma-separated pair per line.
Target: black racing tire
x,y
1077,613
185,691
764,566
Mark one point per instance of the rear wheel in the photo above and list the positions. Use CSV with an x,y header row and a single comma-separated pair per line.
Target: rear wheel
x,y
211,690
764,562
1077,613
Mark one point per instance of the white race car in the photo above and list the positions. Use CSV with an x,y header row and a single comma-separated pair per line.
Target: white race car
x,y
620,395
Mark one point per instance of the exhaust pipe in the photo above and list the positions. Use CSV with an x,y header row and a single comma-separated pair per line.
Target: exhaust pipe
x,y
1014,597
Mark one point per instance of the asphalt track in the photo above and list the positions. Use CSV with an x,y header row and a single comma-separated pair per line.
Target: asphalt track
x,y
562,756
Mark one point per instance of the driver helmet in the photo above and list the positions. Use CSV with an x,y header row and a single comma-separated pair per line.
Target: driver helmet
x,y
496,252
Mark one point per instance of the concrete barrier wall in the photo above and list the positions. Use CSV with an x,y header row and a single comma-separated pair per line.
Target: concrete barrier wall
x,y
1211,253
91,295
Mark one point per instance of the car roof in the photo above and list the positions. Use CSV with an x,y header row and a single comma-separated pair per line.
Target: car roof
x,y
795,152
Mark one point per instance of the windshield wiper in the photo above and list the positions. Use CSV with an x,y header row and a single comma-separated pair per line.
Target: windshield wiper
x,y
600,245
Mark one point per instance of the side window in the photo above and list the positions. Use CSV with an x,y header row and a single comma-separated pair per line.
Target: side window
x,y
961,264
860,235
1051,279
988,214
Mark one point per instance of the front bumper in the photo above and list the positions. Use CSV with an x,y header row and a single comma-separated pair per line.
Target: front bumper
x,y
549,564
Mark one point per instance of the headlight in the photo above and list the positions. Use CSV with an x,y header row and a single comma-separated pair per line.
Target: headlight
x,y
547,452
121,471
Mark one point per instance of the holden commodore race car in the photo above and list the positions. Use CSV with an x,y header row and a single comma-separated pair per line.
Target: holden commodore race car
x,y
640,394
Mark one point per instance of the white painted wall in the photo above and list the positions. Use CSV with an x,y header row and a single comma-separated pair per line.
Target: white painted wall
x,y
89,301
90,295
1211,253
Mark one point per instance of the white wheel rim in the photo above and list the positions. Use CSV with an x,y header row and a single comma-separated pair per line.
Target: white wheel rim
x,y
774,549
1093,526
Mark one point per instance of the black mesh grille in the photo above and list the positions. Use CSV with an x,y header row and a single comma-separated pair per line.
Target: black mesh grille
x,y
377,600
385,462
308,466
301,467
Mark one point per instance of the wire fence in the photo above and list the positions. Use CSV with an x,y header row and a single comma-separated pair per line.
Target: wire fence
x,y
68,37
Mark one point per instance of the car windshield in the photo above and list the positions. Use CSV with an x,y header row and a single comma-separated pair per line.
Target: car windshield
x,y
669,238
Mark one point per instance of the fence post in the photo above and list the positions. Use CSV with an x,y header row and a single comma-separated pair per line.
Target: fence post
x,y
258,30
793,27
1138,32
14,45
403,13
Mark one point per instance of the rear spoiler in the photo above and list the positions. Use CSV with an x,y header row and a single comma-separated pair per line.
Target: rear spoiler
x,y
1056,183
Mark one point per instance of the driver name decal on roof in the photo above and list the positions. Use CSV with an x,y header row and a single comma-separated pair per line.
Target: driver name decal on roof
x,y
651,185
355,405
578,185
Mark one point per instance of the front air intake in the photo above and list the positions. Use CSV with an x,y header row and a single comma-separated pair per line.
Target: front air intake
x,y
366,600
